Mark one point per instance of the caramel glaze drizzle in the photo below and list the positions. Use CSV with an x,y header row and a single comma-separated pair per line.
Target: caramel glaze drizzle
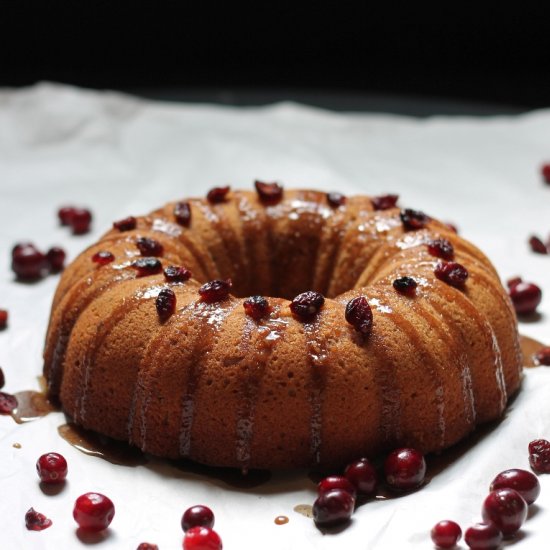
x,y
142,393
318,362
74,304
186,238
259,339
78,298
390,429
316,219
88,361
484,328
230,243
211,316
408,330
481,276
245,414
253,223
460,357
331,235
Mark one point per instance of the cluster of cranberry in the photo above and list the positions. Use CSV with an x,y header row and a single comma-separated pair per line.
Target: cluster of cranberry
x,y
404,470
94,512
505,509
78,219
30,264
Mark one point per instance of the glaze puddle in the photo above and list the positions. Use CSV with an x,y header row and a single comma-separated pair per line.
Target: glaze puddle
x,y
529,346
304,509
99,446
30,406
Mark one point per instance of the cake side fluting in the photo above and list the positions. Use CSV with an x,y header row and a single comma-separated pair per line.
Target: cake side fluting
x,y
213,384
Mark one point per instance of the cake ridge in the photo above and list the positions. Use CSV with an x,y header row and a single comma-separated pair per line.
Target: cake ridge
x,y
88,361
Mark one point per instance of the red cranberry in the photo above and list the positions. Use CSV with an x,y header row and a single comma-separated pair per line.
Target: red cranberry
x,y
126,224
147,266
80,221
3,319
413,219
362,475
307,304
35,521
336,199
256,307
506,509
384,202
336,482
202,538
149,247
405,469
483,536
510,283
165,304
539,455
269,193
65,214
542,357
525,297
28,263
333,508
177,274
182,213
51,468
56,259
522,481
215,291
359,315
452,273
441,248
217,194
537,245
545,171
147,546
405,285
93,511
197,516
103,257
8,403
2,378
446,534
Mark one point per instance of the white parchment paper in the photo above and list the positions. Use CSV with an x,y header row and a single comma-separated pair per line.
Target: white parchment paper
x,y
120,156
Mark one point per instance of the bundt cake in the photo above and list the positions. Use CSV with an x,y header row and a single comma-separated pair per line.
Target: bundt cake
x,y
282,328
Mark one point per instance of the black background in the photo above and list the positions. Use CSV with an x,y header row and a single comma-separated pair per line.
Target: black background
x,y
478,53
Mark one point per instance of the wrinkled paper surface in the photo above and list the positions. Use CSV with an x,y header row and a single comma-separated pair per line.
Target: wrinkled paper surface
x,y
120,156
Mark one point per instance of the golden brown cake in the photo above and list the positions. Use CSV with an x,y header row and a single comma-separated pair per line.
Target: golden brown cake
x,y
408,337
